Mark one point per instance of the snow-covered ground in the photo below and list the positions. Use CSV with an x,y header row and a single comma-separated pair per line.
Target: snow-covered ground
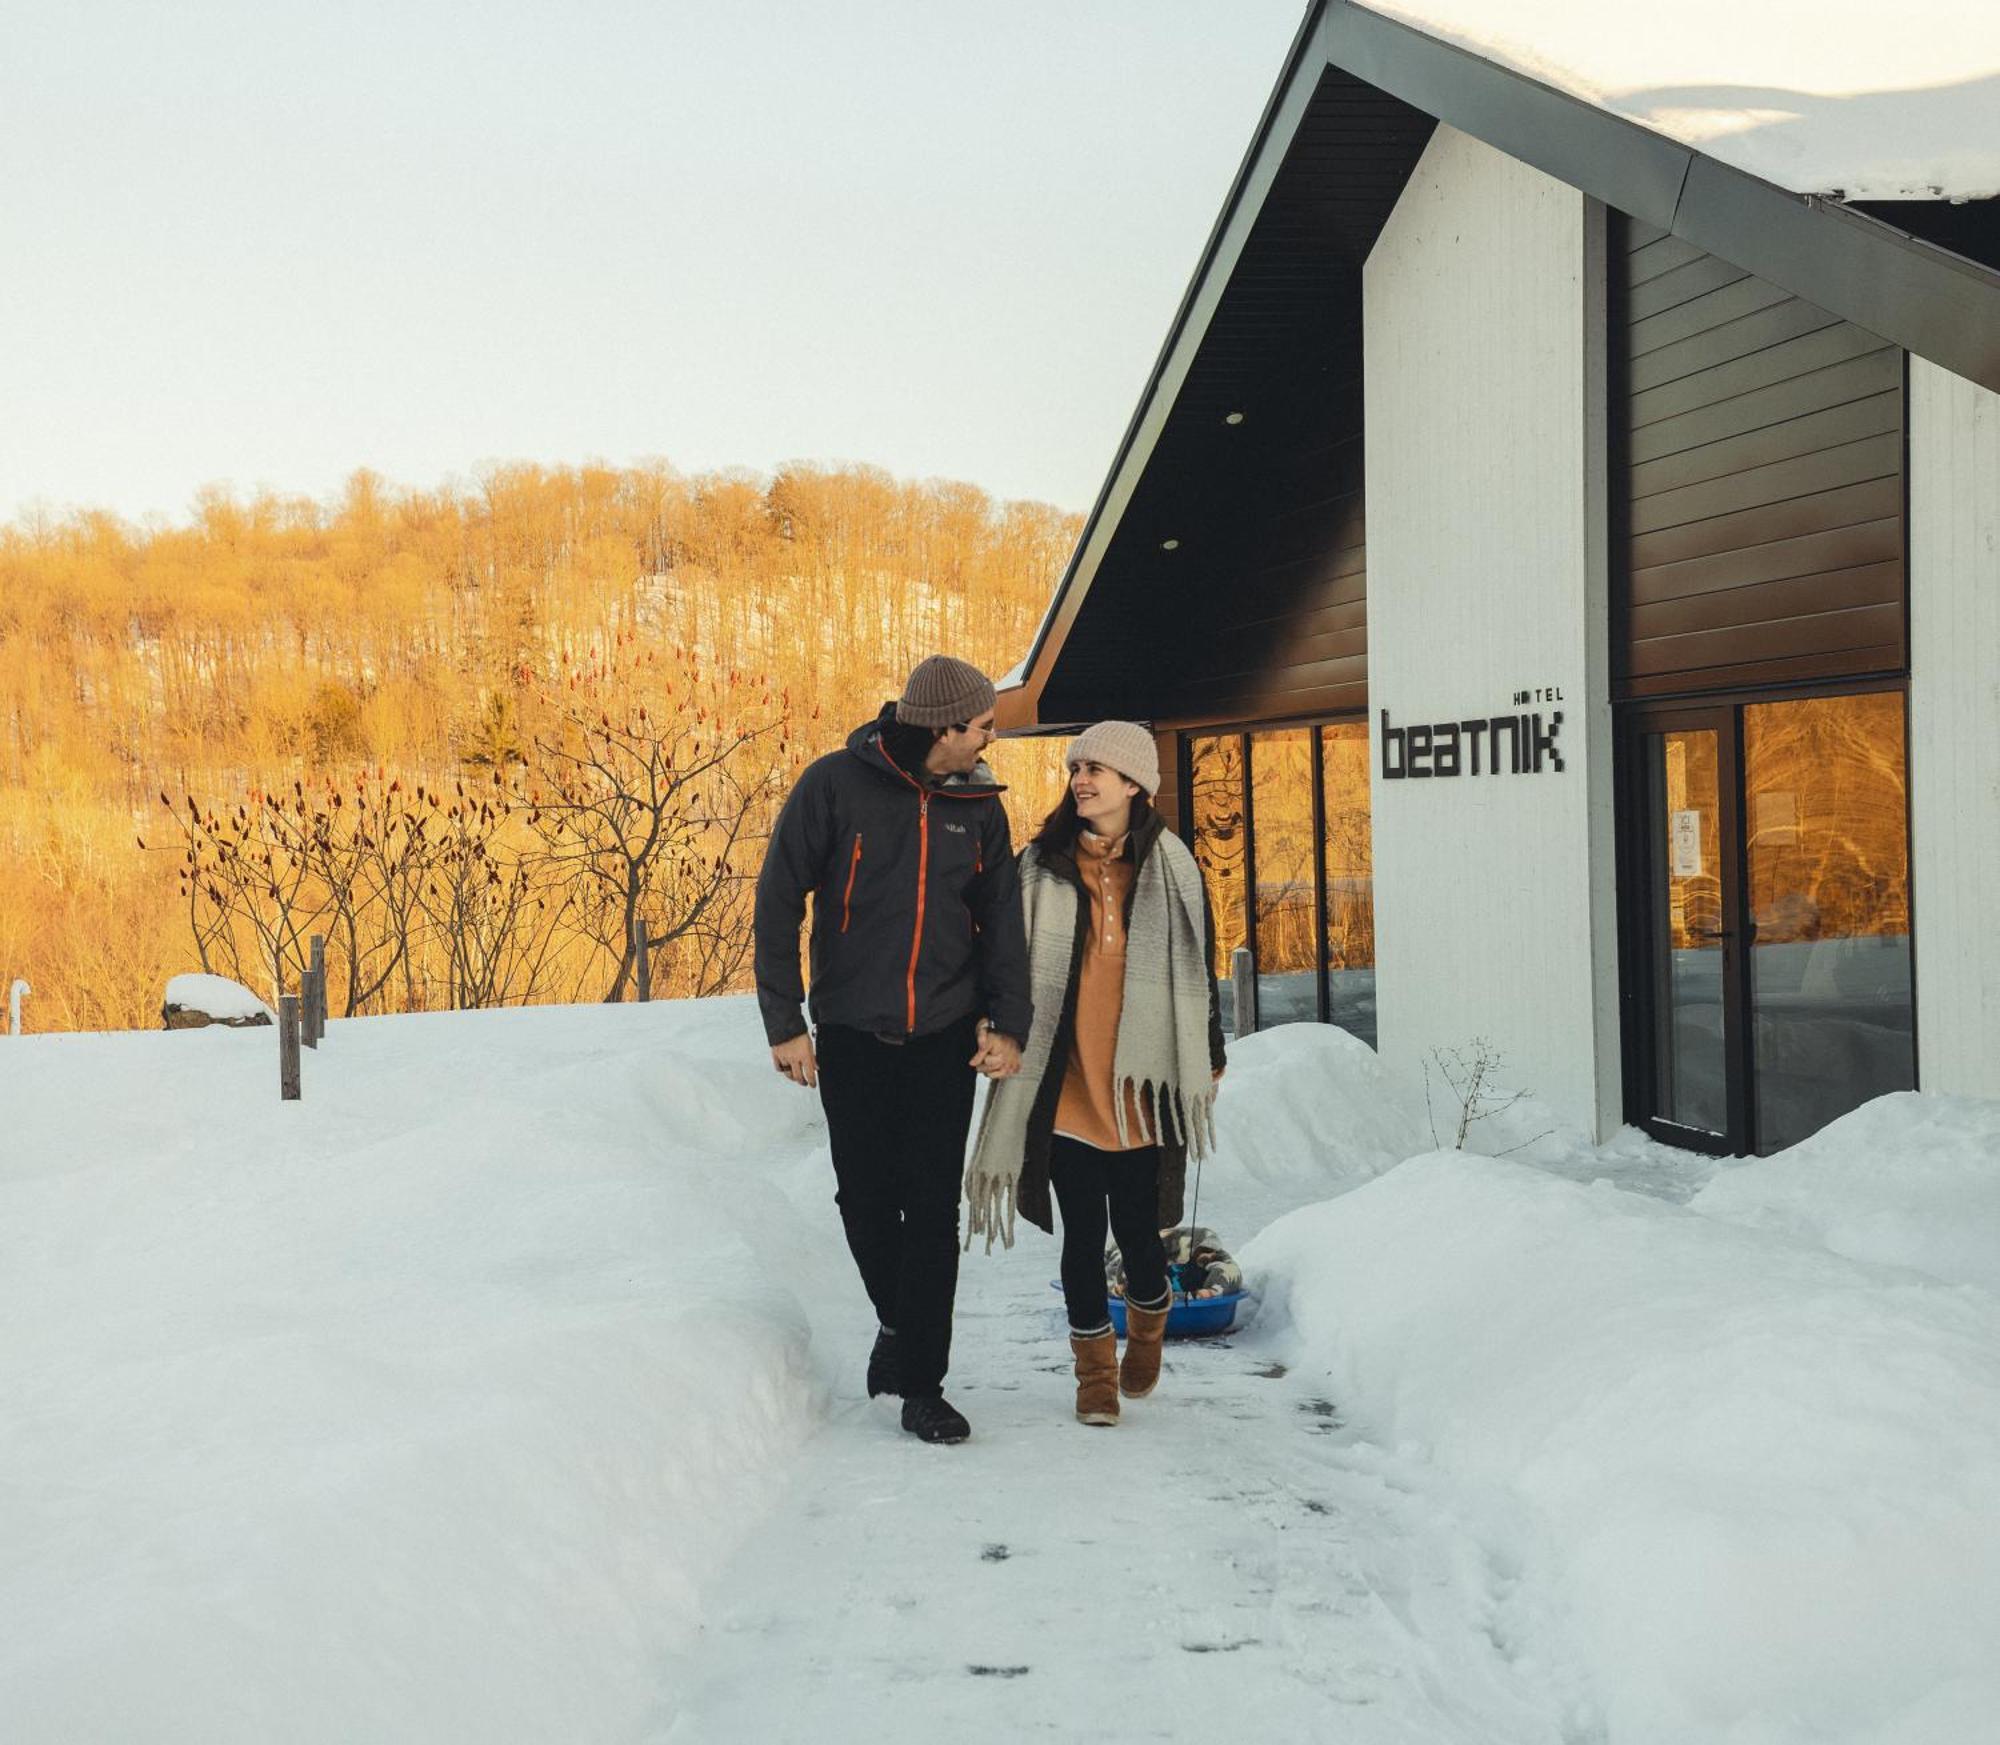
x,y
508,1388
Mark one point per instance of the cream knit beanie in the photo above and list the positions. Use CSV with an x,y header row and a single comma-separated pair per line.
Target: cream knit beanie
x,y
1121,745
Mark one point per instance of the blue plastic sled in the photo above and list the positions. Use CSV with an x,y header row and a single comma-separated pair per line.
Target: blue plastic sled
x,y
1188,1318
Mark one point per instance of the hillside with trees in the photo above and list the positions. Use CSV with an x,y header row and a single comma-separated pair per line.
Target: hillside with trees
x,y
471,735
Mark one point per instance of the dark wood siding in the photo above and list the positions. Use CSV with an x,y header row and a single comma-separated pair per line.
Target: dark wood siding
x,y
1758,487
1286,632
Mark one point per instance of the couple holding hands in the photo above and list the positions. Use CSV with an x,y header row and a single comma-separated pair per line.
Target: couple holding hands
x,y
1076,978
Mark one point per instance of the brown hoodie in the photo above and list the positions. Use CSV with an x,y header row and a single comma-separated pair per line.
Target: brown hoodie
x,y
1086,1109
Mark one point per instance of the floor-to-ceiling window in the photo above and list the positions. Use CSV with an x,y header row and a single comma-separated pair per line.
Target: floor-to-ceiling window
x,y
1348,878
1278,818
1285,918
1217,810
1828,887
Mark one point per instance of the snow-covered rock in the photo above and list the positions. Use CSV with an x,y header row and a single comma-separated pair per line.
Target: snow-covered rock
x,y
193,1001
1912,1179
1753,1479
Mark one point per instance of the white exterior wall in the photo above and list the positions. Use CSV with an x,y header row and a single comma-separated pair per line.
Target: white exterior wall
x,y
1495,907
1955,728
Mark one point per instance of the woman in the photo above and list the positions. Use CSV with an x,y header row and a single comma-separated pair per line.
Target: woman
x,y
1118,1079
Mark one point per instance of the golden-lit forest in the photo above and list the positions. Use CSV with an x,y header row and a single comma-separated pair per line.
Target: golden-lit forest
x,y
469,735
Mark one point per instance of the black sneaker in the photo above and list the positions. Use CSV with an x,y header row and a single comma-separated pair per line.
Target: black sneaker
x,y
884,1368
930,1419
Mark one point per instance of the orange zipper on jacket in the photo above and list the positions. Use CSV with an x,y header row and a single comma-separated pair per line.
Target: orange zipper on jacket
x,y
923,872
847,896
923,890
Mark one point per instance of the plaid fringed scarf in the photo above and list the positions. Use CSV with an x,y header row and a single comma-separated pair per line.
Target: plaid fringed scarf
x,y
1162,1052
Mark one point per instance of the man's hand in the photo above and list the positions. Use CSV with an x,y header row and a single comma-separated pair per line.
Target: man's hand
x,y
998,1057
795,1060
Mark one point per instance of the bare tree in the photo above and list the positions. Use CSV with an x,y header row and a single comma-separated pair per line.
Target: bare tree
x,y
1471,1073
493,913
658,774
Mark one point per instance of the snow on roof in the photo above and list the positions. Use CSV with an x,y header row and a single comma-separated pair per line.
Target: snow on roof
x,y
1819,96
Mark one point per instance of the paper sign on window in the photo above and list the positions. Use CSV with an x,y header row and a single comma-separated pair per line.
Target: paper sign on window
x,y
1686,850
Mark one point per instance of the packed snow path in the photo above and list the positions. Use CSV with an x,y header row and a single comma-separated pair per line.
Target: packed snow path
x,y
508,1389
1230,1562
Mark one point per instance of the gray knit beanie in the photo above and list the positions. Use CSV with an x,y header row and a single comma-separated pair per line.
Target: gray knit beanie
x,y
1121,745
943,692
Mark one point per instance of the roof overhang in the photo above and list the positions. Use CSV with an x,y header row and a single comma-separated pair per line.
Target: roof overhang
x,y
1921,296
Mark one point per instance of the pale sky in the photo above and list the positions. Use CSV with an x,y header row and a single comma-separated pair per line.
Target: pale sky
x,y
258,244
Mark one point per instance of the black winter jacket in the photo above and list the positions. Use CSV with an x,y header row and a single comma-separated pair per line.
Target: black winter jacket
x,y
916,900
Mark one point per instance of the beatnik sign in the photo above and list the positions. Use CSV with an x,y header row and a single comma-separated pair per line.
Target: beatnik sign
x,y
1473,746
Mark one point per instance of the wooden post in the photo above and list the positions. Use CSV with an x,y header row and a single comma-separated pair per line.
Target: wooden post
x,y
309,1008
642,960
288,1047
1243,989
319,987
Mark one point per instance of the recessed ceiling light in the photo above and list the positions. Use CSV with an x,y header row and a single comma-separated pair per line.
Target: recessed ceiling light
x,y
1170,545
1232,418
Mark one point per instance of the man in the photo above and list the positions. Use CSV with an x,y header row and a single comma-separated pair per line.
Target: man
x,y
919,979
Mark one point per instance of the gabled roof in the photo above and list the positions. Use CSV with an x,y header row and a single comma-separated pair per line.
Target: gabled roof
x,y
1844,98
1273,305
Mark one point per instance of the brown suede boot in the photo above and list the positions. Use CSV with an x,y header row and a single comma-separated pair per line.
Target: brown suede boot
x,y
1145,1331
1096,1377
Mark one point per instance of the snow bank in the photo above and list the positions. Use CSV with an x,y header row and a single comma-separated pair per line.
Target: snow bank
x,y
1308,1107
218,996
1758,1478
1818,96
421,1409
1911,1179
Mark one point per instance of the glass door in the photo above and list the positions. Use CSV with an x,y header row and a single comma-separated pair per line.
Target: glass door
x,y
1689,933
1767,917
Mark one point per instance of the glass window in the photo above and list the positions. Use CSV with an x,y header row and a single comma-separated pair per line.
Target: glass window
x,y
1828,855
1684,927
1350,880
1215,808
1282,862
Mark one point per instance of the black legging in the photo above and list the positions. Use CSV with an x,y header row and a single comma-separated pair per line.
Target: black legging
x,y
1088,1183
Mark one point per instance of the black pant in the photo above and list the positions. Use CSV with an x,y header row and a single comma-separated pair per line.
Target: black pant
x,y
1126,1184
897,1115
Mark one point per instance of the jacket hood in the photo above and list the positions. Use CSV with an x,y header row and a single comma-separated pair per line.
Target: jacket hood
x,y
865,742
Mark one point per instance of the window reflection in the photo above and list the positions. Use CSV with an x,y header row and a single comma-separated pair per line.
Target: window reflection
x,y
1215,807
1350,880
1691,1066
1252,816
1826,818
1281,829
